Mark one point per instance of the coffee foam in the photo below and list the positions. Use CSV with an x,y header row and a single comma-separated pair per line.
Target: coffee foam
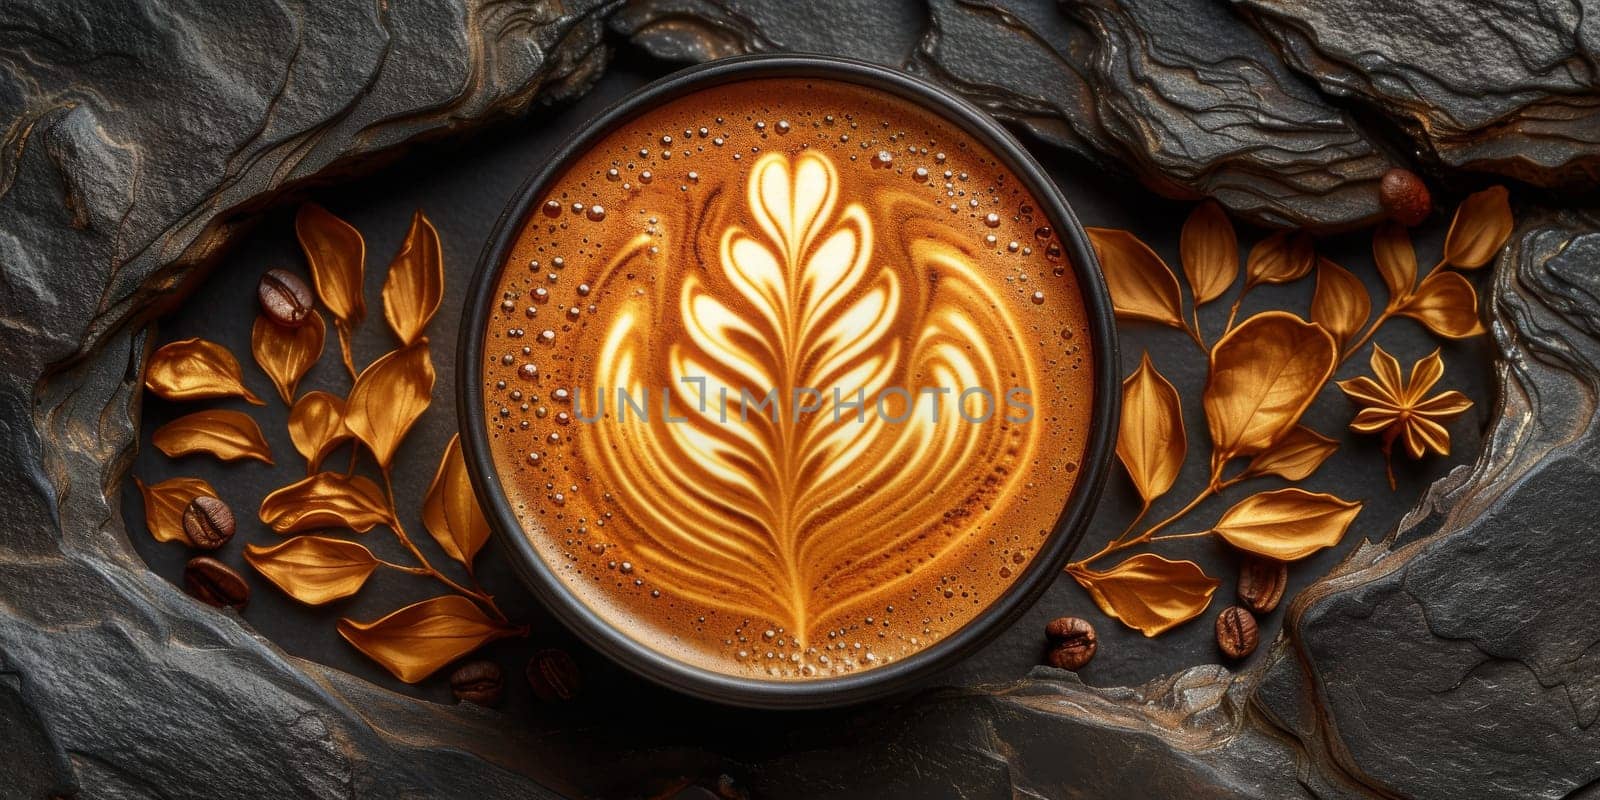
x,y
785,235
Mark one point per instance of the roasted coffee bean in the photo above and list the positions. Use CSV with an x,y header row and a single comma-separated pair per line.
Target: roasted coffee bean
x,y
1236,632
1405,197
208,522
1261,583
1062,628
1072,642
215,583
285,298
553,675
480,682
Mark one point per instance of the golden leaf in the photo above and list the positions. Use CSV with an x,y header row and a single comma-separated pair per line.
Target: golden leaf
x,y
286,353
1283,257
1148,592
1287,524
1396,259
1142,285
228,435
1151,442
314,569
1209,250
415,284
338,256
450,511
1481,227
417,640
1294,456
387,399
195,369
1447,304
1264,374
326,500
1340,303
316,426
164,503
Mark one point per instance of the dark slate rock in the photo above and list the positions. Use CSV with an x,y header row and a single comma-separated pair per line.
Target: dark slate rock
x,y
1179,91
1049,736
1182,92
1198,98
880,31
1039,86
1497,86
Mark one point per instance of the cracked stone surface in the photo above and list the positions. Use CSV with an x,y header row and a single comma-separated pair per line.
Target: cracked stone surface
x,y
1501,86
1183,93
1453,659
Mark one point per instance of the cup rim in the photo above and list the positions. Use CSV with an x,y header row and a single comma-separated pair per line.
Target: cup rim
x,y
876,682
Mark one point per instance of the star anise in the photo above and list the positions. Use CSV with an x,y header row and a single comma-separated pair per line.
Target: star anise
x,y
1400,409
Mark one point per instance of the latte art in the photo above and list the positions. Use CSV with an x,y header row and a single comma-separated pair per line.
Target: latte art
x,y
776,386
754,512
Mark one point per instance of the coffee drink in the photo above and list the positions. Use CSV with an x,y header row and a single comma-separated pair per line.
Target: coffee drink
x,y
787,378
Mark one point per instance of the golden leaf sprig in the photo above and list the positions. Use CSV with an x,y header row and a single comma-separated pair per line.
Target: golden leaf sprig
x,y
313,564
450,511
337,255
415,284
316,569
286,354
1142,285
1151,442
1149,593
164,503
228,435
415,641
1444,301
195,369
327,500
1263,374
316,427
387,399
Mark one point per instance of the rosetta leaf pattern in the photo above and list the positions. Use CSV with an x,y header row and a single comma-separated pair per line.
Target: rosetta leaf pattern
x,y
751,514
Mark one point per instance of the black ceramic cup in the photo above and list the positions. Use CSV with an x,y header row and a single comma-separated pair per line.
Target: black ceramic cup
x,y
854,687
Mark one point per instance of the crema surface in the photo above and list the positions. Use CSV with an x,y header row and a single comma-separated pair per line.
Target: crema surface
x,y
787,378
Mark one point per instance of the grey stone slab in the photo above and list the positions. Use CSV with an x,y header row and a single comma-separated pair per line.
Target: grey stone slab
x,y
1510,87
1182,93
